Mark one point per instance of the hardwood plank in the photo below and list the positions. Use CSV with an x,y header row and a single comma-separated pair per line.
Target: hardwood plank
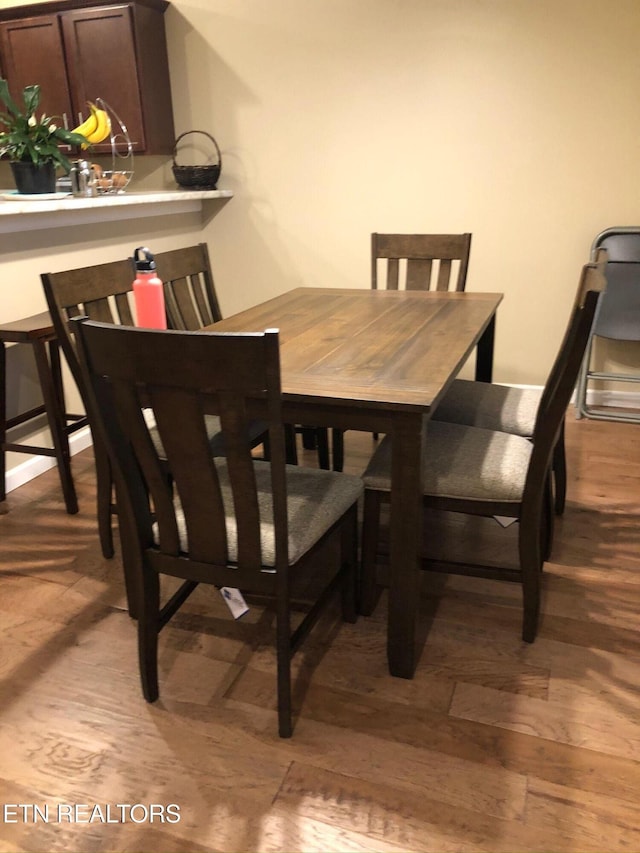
x,y
590,724
418,823
593,822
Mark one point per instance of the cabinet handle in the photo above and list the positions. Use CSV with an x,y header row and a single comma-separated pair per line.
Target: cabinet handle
x,y
64,121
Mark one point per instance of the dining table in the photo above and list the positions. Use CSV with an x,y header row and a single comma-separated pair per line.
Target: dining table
x,y
379,361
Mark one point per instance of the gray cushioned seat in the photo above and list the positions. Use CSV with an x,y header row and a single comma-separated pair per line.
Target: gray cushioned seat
x,y
498,407
316,499
463,462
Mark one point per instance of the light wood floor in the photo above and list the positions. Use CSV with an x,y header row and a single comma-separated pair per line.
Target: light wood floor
x,y
495,745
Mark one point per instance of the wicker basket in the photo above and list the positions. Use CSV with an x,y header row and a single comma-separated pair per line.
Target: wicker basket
x,y
197,177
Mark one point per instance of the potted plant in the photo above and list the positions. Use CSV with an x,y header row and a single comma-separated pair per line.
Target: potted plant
x,y
32,143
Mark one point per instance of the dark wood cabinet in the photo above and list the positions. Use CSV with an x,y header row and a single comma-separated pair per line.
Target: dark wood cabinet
x,y
79,51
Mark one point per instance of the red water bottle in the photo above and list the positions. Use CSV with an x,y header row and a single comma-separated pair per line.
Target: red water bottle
x,y
148,292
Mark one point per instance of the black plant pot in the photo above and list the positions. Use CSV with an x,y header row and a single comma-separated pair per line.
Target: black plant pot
x,y
32,178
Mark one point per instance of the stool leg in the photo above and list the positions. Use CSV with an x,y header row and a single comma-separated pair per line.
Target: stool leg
x,y
57,424
3,422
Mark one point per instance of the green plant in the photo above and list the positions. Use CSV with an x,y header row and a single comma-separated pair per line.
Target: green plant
x,y
27,138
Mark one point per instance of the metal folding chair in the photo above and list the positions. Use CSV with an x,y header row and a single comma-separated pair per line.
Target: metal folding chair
x,y
617,319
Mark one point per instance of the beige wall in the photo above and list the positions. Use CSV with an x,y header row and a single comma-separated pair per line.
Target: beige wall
x,y
513,119
516,120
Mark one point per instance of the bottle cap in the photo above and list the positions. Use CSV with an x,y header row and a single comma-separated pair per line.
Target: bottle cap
x,y
145,264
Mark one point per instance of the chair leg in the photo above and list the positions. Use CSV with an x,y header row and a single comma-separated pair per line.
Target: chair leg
x,y
349,560
130,550
104,494
546,529
291,450
283,650
148,629
370,535
530,565
46,364
560,472
322,443
309,437
337,441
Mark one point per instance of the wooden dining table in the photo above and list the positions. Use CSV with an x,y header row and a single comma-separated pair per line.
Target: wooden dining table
x,y
379,361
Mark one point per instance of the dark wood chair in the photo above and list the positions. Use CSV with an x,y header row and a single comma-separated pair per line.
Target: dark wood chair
x,y
512,410
190,296
232,522
103,292
483,472
420,261
431,261
413,262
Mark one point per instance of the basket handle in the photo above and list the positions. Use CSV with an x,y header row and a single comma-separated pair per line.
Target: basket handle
x,y
186,133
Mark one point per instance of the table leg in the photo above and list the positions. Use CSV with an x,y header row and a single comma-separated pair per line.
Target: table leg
x,y
405,538
484,353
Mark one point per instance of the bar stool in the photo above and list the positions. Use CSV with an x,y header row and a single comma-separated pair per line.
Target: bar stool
x,y
39,332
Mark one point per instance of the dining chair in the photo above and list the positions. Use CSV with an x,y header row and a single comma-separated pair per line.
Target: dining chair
x,y
234,522
477,471
420,261
190,297
512,410
413,262
618,321
104,292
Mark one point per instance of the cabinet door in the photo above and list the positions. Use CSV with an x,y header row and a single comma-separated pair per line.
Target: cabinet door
x,y
101,63
32,52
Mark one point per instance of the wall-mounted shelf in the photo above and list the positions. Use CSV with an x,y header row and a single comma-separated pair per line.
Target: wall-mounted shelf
x,y
31,215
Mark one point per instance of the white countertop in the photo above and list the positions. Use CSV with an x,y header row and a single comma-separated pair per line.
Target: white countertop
x,y
20,214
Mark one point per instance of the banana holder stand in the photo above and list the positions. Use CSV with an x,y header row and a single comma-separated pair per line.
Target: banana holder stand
x,y
89,179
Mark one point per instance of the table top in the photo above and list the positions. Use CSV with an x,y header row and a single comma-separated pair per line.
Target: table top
x,y
374,348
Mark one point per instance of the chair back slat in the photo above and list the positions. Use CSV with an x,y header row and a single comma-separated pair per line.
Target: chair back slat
x,y
419,273
124,398
433,261
180,306
393,274
182,377
444,274
235,423
180,422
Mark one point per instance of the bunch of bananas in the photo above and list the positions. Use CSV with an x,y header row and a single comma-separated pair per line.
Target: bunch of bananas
x,y
96,128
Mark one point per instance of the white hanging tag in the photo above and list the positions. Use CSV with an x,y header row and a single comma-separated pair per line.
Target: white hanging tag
x,y
234,600
505,520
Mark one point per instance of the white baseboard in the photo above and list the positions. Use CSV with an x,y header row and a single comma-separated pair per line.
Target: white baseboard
x,y
618,399
33,466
